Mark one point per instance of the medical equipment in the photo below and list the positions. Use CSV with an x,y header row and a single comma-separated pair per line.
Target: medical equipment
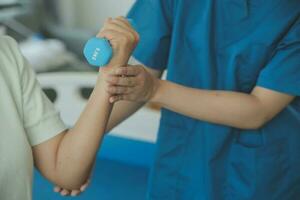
x,y
13,8
98,51
46,54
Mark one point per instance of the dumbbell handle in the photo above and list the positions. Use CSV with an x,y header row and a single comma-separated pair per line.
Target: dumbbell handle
x,y
98,51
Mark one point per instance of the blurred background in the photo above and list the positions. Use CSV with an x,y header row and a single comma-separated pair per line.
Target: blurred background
x,y
51,34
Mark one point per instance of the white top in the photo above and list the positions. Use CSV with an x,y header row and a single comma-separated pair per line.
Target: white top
x,y
27,118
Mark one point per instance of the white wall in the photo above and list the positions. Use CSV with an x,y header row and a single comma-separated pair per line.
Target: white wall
x,y
90,14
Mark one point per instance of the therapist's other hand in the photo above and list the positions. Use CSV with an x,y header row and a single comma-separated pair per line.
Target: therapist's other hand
x,y
73,193
131,83
122,37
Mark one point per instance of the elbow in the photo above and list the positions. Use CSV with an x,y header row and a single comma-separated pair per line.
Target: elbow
x,y
253,125
255,122
71,183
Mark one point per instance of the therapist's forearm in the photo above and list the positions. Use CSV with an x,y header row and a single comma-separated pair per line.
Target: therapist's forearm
x,y
221,107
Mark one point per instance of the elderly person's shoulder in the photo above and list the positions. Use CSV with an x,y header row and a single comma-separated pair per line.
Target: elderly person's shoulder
x,y
7,44
11,65
9,50
11,59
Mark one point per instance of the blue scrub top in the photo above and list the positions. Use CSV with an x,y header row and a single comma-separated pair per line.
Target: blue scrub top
x,y
231,45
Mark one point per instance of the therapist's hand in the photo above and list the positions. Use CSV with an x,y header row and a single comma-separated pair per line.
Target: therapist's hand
x,y
73,193
122,37
131,83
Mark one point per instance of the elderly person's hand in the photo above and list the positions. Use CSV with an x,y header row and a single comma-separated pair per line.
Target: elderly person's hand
x,y
122,37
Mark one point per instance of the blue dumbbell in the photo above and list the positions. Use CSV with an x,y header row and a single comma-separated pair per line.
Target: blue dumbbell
x,y
98,51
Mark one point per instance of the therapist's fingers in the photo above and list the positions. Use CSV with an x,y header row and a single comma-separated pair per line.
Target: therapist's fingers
x,y
123,81
117,98
125,71
120,90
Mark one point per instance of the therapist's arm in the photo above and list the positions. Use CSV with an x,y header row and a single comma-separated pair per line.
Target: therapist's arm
x,y
67,159
239,110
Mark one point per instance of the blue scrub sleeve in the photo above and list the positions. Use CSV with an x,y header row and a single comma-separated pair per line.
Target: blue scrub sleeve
x,y
152,20
282,73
